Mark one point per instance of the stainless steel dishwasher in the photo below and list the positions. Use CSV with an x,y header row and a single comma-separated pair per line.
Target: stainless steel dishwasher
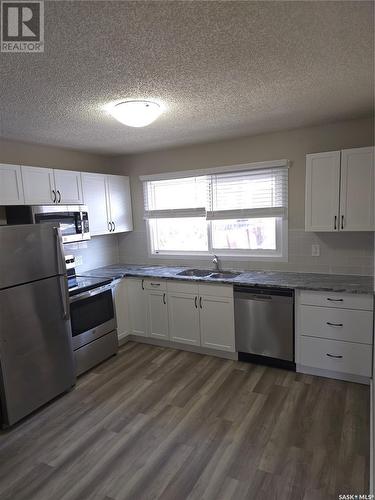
x,y
264,325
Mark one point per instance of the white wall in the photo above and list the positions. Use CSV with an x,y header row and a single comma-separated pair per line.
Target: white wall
x,y
340,253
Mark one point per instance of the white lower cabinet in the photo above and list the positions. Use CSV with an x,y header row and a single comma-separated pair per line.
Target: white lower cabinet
x,y
122,309
184,318
334,335
185,313
217,322
157,314
137,298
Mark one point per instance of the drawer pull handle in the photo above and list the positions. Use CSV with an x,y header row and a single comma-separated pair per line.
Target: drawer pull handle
x,y
334,324
335,300
333,356
155,284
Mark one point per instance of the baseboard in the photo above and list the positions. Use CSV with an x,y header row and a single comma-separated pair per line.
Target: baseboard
x,y
348,377
123,338
184,347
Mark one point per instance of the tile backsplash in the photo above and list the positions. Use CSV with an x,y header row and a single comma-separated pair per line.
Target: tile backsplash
x,y
97,252
340,253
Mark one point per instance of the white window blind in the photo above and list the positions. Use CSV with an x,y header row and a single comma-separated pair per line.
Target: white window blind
x,y
172,198
255,193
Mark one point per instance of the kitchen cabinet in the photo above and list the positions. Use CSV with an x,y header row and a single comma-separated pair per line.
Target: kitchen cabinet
x,y
68,187
184,318
137,306
157,314
109,202
217,322
334,335
49,186
357,190
122,309
119,201
38,185
11,188
95,197
340,191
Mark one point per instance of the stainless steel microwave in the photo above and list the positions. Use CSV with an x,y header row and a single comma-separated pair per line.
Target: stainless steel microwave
x,y
73,220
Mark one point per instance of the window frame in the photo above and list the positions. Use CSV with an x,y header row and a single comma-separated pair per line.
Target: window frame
x,y
278,255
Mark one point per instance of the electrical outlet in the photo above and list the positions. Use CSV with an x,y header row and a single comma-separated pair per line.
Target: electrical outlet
x,y
78,260
315,250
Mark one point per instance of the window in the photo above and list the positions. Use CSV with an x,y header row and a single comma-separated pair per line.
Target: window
x,y
235,214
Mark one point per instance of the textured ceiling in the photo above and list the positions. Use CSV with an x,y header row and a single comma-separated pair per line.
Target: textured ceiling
x,y
222,69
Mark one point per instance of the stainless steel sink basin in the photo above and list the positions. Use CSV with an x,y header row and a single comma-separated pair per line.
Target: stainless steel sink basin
x,y
224,275
198,273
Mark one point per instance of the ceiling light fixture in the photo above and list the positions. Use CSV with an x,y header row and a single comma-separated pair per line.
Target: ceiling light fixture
x,y
136,113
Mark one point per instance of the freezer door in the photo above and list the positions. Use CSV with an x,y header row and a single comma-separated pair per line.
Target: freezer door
x,y
35,347
28,253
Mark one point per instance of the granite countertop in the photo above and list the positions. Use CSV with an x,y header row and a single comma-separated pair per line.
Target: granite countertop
x,y
301,281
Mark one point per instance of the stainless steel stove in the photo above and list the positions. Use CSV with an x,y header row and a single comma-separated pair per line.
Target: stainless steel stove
x,y
93,318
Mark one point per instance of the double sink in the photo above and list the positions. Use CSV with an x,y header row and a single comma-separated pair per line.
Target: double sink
x,y
203,273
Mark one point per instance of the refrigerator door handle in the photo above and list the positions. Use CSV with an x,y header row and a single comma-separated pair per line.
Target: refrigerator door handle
x,y
64,290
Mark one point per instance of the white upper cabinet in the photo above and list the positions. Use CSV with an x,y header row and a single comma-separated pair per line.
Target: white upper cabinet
x,y
11,189
357,190
322,191
340,191
120,203
68,187
95,197
109,203
38,185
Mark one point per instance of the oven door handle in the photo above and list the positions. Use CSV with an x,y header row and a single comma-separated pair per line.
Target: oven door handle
x,y
93,292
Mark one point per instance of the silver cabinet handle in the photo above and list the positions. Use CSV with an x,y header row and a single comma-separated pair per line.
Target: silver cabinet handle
x,y
53,196
142,284
334,356
335,226
59,194
335,300
200,302
109,226
164,301
196,302
334,324
342,222
114,226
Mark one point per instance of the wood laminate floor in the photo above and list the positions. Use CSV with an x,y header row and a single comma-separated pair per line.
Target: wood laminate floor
x,y
159,423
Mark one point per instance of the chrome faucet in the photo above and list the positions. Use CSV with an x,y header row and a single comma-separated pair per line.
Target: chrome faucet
x,y
216,263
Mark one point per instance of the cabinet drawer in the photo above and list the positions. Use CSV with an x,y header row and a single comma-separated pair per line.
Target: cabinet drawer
x,y
340,300
182,287
339,324
216,290
155,284
351,357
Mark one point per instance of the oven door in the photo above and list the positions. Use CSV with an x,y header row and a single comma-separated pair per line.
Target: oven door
x,y
92,315
72,220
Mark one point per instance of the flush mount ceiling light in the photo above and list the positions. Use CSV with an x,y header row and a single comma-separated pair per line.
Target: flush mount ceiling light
x,y
136,113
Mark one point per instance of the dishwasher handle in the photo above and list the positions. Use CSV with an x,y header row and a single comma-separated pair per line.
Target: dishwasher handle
x,y
263,294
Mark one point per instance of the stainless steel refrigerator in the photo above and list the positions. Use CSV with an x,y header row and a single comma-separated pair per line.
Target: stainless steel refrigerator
x,y
36,357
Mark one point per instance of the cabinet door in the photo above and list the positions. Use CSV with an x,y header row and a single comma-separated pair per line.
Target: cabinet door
x,y
95,197
68,187
137,307
122,309
183,318
217,322
157,314
38,185
11,189
120,203
357,190
322,191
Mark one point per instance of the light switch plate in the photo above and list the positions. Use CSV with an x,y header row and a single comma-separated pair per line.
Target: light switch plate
x,y
315,250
